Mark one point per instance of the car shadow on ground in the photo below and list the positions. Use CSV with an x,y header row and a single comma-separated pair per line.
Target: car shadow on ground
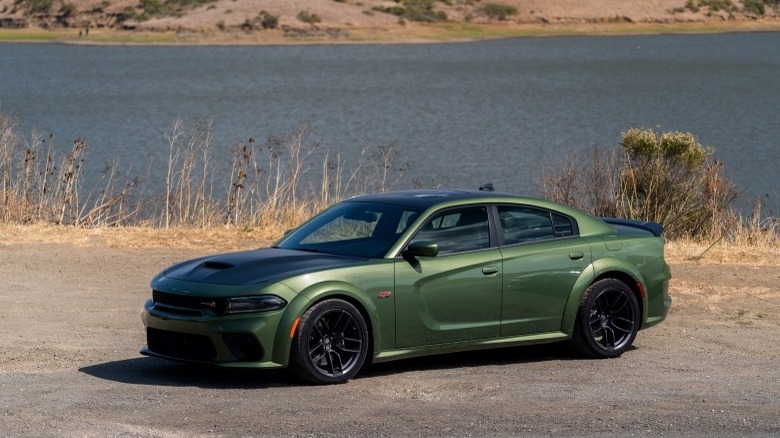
x,y
490,357
158,372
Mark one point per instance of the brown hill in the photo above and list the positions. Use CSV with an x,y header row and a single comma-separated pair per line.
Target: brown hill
x,y
339,18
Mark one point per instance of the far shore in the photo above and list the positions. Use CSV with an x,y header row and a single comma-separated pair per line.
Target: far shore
x,y
409,34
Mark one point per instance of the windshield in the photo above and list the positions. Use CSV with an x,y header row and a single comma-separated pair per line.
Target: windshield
x,y
361,229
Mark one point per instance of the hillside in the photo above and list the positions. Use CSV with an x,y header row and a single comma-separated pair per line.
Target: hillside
x,y
225,20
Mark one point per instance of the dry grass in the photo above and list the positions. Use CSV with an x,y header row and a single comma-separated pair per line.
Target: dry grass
x,y
223,238
271,185
216,238
682,250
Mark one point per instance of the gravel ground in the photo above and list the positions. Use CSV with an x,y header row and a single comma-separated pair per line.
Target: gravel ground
x,y
70,331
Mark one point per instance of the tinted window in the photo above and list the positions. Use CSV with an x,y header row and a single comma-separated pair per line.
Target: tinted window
x,y
523,224
563,225
362,229
457,230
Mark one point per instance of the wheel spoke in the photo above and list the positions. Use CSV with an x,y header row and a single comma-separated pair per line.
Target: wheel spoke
x,y
346,349
349,323
609,338
317,357
627,326
595,317
336,370
318,326
620,303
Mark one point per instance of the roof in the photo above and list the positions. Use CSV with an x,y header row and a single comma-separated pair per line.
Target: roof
x,y
425,198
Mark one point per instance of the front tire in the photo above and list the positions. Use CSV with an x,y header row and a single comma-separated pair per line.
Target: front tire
x,y
330,343
607,320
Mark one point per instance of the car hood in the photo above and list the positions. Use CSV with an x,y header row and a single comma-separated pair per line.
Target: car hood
x,y
253,267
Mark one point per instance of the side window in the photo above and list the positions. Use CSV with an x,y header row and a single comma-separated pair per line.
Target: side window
x,y
524,224
563,226
407,217
457,230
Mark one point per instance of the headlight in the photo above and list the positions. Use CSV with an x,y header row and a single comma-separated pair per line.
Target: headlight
x,y
261,303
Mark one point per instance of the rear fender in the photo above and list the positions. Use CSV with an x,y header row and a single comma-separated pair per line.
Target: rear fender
x,y
600,268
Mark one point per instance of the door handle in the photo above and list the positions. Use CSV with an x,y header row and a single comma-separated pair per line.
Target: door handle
x,y
490,270
576,255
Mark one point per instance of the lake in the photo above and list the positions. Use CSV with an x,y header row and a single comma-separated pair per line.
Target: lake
x,y
491,111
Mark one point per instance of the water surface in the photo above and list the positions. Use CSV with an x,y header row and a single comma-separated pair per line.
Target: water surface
x,y
476,112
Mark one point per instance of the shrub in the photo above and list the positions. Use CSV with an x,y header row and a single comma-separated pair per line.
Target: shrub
x,y
153,7
717,5
498,11
263,20
414,10
67,10
268,21
307,17
692,6
753,6
713,5
669,178
36,6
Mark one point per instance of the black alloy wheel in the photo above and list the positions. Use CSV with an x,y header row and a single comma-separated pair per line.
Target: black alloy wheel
x,y
330,343
607,320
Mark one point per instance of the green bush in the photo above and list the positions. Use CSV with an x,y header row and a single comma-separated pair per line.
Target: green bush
x,y
414,10
498,11
268,21
692,6
263,20
153,7
669,178
712,5
67,10
36,6
758,7
307,17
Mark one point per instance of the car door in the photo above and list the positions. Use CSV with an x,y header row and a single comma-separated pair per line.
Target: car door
x,y
543,257
454,296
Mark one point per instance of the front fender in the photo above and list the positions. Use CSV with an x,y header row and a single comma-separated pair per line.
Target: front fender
x,y
601,267
313,294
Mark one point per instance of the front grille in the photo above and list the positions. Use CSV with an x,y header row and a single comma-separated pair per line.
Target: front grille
x,y
181,345
188,304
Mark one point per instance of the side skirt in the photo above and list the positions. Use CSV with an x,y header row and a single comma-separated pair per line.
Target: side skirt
x,y
515,341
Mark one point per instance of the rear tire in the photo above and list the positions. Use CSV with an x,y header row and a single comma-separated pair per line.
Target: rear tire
x,y
607,320
330,343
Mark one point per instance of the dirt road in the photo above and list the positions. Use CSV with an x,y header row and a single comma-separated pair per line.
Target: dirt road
x,y
70,331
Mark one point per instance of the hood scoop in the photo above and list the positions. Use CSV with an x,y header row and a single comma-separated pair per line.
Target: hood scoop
x,y
216,265
255,267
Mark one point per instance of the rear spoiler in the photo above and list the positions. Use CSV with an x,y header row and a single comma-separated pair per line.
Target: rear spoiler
x,y
653,227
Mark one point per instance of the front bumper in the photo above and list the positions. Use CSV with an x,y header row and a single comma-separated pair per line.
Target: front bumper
x,y
245,340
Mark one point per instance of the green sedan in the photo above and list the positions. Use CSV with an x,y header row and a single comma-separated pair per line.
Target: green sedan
x,y
395,275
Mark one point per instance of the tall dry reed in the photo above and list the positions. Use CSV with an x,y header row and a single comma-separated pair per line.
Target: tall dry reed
x,y
39,184
270,184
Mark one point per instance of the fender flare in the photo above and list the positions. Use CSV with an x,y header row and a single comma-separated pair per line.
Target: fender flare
x,y
598,269
312,295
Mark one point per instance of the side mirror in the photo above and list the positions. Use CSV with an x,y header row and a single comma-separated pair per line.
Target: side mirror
x,y
422,248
